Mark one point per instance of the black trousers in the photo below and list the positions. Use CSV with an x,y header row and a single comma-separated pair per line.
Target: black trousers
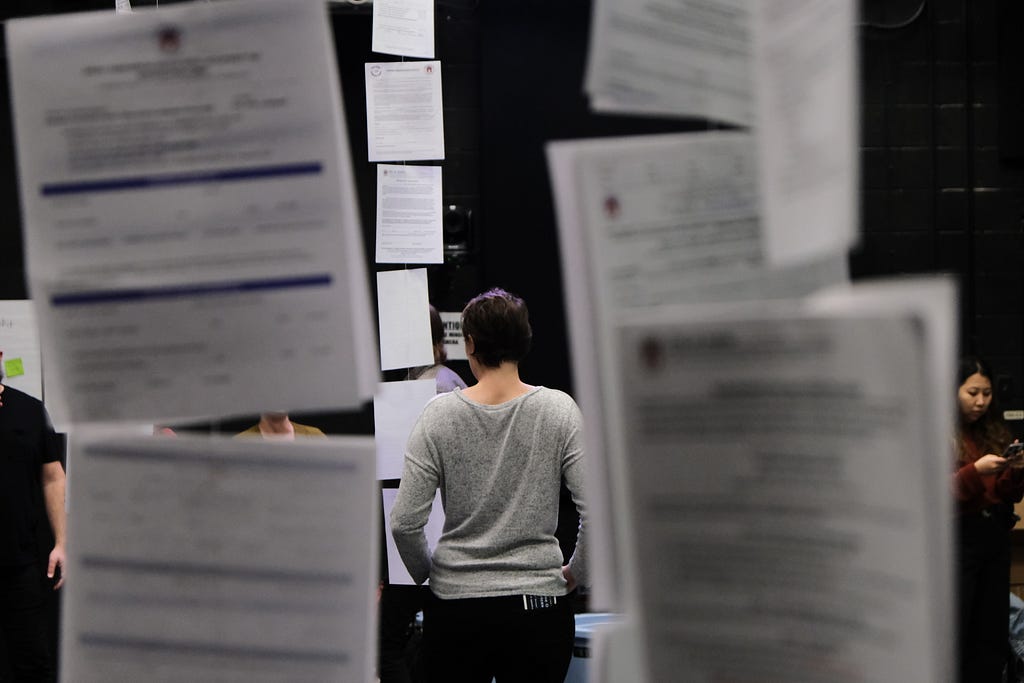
x,y
984,595
398,653
471,640
24,625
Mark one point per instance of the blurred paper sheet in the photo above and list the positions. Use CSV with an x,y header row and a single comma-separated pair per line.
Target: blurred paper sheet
x,y
805,75
454,344
663,57
933,300
222,559
753,445
404,117
403,310
193,243
19,344
615,653
396,407
409,214
403,27
397,573
647,222
668,211
669,219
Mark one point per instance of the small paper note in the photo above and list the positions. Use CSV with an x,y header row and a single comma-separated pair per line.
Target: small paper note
x,y
14,368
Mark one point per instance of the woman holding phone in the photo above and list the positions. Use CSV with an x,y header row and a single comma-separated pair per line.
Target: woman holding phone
x,y
988,480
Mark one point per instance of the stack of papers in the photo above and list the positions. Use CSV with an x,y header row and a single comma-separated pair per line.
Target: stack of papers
x,y
786,69
194,251
741,397
652,222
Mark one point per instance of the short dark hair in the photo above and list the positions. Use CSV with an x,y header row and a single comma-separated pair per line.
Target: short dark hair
x,y
499,324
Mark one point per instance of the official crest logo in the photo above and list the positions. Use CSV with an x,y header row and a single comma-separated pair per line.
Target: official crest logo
x,y
169,39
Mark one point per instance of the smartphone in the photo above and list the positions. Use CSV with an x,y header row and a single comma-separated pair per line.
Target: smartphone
x,y
1014,451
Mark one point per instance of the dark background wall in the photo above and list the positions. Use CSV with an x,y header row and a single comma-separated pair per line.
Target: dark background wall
x,y
942,182
533,55
942,177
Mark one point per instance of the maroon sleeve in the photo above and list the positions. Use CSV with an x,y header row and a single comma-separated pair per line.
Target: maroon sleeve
x,y
1010,485
967,483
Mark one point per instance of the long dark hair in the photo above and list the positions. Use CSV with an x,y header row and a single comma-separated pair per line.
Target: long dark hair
x,y
989,433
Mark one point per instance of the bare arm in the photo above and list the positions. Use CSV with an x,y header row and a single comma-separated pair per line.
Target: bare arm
x,y
53,495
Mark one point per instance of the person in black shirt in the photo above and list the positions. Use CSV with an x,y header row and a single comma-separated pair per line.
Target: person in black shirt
x,y
31,481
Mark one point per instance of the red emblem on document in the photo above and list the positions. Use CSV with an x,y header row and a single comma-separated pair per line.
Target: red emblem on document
x,y
169,39
611,206
651,353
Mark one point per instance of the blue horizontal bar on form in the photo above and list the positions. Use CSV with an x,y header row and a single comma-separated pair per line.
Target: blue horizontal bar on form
x,y
199,648
190,178
138,294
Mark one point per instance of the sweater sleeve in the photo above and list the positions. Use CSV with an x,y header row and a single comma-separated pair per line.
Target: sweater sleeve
x,y
412,505
572,471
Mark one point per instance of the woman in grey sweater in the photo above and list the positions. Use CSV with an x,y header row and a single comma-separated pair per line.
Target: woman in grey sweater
x,y
498,451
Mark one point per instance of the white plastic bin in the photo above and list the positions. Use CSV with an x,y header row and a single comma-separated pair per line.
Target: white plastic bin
x,y
580,665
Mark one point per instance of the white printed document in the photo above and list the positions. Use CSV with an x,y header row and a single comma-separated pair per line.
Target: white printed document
x,y
409,226
193,242
666,212
240,561
788,508
404,116
807,126
670,219
403,27
667,58
454,344
649,222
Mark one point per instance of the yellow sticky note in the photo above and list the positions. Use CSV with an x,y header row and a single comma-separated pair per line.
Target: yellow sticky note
x,y
14,367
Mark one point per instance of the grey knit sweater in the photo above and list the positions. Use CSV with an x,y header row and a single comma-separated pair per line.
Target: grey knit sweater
x,y
499,469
